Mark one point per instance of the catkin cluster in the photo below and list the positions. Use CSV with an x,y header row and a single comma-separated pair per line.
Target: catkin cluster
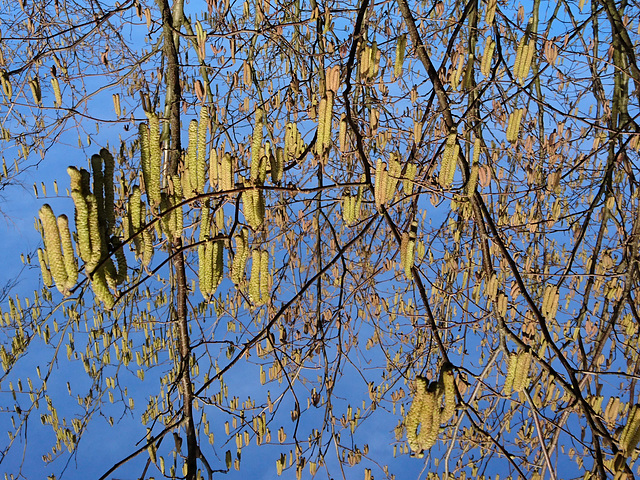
x,y
631,432
196,159
151,158
518,367
487,56
401,48
513,125
57,260
426,414
293,144
222,171
407,250
260,279
210,256
241,256
449,161
524,56
324,123
94,220
369,64
351,206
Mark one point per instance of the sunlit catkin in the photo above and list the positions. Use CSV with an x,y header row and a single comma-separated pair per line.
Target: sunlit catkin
x,y
145,156
254,279
201,161
155,159
487,56
264,276
409,178
53,247
81,213
631,432
447,378
98,189
380,187
413,418
240,257
277,165
401,47
190,180
134,211
393,175
227,168
70,263
523,365
94,234
342,137
47,279
256,143
449,161
430,408
56,91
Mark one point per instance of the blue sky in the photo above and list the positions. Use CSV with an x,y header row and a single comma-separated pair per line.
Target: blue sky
x,y
375,284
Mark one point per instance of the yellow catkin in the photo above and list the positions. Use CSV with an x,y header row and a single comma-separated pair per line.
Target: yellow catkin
x,y
217,263
101,289
121,260
56,91
70,263
98,189
204,271
426,434
527,57
491,12
380,187
264,277
134,211
145,156
409,253
412,420
324,126
447,378
254,279
53,247
410,176
191,170
201,162
47,279
7,89
34,85
517,64
227,172
94,234
404,242
240,256
401,48
148,248
631,432
81,213
487,56
512,366
393,175
342,137
155,159
521,379
256,144
166,216
116,104
449,161
277,165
